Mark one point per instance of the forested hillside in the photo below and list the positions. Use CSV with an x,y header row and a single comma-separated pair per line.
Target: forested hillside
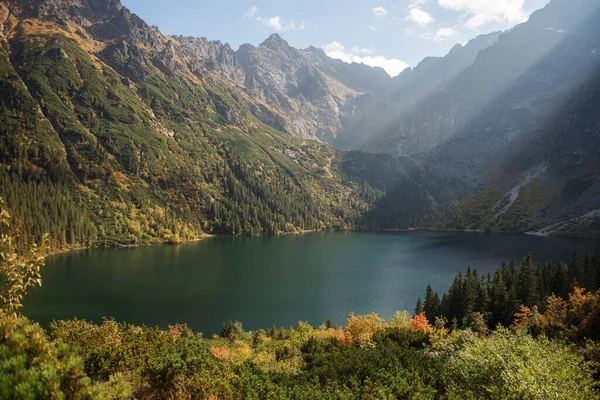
x,y
115,134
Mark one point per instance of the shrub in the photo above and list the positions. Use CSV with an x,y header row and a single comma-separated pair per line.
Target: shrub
x,y
361,328
232,331
33,367
514,365
18,270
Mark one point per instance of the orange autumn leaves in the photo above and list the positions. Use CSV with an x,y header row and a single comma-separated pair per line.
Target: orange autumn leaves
x,y
420,323
221,353
575,316
359,330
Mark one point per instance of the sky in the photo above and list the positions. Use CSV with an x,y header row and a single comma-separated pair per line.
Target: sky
x,y
392,34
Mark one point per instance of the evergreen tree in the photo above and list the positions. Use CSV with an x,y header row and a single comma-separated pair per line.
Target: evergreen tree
x,y
471,292
576,270
589,272
497,300
419,308
561,285
499,305
528,291
432,304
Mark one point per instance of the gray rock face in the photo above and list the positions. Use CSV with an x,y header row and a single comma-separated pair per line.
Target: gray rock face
x,y
203,55
303,92
298,84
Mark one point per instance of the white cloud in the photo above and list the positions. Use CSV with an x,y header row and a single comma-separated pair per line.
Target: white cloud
x,y
275,23
392,66
483,12
250,13
444,33
420,17
551,29
278,24
379,12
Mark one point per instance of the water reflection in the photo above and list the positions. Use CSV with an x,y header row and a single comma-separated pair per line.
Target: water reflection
x,y
270,280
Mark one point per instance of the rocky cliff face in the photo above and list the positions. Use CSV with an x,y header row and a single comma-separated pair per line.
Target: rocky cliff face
x,y
297,85
206,56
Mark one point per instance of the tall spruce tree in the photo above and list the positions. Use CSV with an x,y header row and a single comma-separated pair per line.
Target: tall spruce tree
x,y
528,291
589,272
576,270
432,304
419,307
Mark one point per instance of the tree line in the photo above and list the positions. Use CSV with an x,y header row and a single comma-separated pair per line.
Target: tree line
x,y
484,301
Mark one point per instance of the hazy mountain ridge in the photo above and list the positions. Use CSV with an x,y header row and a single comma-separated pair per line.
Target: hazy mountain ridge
x,y
545,85
515,131
380,124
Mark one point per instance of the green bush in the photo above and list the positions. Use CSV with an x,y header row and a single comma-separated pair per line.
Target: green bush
x,y
33,367
514,365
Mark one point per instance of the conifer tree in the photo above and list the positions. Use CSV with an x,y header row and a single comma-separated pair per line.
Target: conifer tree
x,y
419,307
432,304
589,272
575,270
528,282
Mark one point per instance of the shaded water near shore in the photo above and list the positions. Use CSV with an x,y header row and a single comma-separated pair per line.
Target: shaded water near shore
x,y
268,280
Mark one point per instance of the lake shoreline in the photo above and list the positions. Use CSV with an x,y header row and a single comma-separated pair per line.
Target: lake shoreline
x,y
204,236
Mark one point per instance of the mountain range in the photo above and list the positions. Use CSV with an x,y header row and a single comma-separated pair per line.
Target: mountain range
x,y
113,133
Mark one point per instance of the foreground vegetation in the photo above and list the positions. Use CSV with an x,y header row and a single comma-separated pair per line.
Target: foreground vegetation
x,y
369,358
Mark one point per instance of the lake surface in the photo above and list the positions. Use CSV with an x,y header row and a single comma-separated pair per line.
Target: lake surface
x,y
268,280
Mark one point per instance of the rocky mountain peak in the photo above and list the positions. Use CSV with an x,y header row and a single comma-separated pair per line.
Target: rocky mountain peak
x,y
317,51
275,42
76,10
105,20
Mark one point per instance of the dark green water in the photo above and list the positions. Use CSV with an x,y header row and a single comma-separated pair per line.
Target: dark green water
x,y
263,281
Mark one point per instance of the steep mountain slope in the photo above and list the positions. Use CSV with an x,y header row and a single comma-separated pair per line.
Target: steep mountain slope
x,y
312,92
290,81
302,92
499,121
380,127
113,133
509,143
530,68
